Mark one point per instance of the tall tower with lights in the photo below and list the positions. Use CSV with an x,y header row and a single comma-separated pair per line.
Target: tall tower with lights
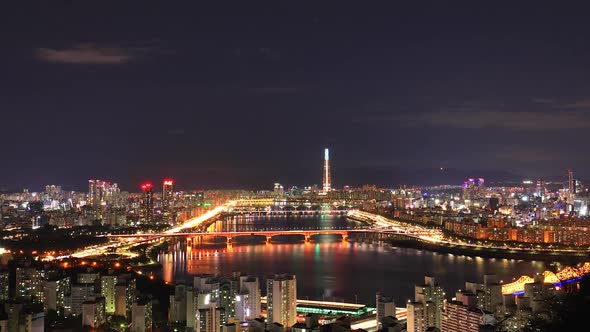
x,y
167,201
327,177
147,203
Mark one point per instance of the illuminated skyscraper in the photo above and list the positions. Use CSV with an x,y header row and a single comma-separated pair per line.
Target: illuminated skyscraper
x,y
147,203
102,193
327,180
167,202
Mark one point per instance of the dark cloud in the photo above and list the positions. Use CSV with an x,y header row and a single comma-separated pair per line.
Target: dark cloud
x,y
582,104
83,54
475,119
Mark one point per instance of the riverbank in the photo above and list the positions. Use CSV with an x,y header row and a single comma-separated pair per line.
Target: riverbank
x,y
532,255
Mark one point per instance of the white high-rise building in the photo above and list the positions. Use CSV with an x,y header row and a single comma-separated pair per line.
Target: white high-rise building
x,y
248,298
281,290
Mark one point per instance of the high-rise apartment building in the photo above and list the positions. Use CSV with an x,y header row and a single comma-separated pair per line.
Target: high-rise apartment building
x,y
146,204
141,316
56,291
79,293
30,284
168,202
420,316
178,304
462,314
489,294
125,296
385,307
281,290
102,193
430,291
209,319
249,296
4,285
107,290
93,312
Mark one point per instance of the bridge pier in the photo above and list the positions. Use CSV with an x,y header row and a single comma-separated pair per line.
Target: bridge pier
x,y
228,240
307,238
345,237
268,238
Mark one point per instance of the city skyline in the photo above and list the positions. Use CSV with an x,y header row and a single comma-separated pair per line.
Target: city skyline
x,y
195,93
294,166
326,181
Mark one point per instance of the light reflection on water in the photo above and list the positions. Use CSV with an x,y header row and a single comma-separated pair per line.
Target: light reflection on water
x,y
339,270
333,269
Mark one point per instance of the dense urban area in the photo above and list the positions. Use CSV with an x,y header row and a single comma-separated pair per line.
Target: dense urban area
x,y
89,260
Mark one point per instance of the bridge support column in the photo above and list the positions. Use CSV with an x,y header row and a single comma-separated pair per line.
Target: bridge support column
x,y
345,237
268,238
307,238
228,240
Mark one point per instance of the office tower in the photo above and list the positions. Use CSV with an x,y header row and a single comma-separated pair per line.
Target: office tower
x,y
209,319
326,181
4,285
56,291
107,290
168,202
430,291
385,307
29,284
93,312
281,290
147,204
141,316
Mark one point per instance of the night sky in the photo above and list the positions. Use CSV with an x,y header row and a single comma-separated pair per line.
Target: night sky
x,y
244,94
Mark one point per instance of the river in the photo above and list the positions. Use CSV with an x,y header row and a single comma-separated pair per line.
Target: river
x,y
331,269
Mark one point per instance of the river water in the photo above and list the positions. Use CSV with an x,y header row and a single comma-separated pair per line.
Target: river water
x,y
331,269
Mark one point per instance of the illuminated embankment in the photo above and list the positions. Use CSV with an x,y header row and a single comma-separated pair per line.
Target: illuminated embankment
x,y
567,274
198,221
